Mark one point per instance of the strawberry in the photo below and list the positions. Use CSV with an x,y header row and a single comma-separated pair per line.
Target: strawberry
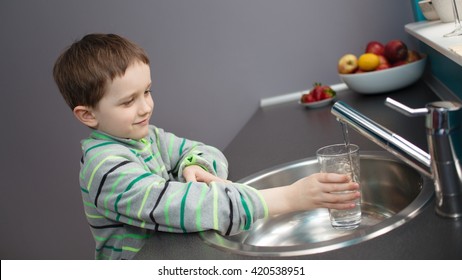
x,y
321,92
324,95
310,98
317,93
328,91
307,98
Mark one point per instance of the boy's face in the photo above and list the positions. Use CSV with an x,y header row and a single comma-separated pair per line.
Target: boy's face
x,y
126,107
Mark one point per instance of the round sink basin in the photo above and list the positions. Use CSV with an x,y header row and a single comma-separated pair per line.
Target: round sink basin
x,y
392,194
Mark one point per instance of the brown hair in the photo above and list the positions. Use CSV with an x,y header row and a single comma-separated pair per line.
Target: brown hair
x,y
84,69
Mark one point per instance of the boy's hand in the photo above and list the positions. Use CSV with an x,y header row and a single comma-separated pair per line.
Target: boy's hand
x,y
320,190
195,173
324,190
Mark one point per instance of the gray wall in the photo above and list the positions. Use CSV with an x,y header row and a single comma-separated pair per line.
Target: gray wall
x,y
212,61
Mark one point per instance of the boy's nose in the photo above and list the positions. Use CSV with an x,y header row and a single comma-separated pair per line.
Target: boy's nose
x,y
146,106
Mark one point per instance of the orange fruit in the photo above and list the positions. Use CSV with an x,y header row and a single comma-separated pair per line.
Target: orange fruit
x,y
368,62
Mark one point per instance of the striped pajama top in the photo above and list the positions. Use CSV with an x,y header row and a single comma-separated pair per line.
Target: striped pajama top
x,y
133,188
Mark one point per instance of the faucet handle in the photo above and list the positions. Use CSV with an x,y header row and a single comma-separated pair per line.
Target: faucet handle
x,y
410,112
439,114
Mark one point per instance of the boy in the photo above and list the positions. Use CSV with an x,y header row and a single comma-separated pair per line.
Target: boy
x,y
137,179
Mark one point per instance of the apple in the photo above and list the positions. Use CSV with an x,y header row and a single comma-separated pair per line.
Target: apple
x,y
399,63
413,56
383,63
347,64
375,48
395,50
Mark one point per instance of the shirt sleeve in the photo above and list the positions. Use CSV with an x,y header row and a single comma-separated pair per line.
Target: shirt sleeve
x,y
118,189
181,152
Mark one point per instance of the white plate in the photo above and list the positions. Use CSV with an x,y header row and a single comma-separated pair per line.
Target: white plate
x,y
317,104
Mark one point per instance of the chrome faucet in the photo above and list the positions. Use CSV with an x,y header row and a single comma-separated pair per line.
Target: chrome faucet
x,y
444,136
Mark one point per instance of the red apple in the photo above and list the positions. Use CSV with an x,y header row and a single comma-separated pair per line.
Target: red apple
x,y
375,48
383,63
413,56
347,64
399,63
395,50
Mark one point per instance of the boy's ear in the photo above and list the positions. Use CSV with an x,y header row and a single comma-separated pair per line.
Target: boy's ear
x,y
85,115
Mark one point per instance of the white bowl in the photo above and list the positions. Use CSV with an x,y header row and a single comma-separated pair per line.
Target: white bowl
x,y
444,9
385,80
428,10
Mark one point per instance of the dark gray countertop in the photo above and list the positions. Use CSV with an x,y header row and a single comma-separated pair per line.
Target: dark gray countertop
x,y
287,132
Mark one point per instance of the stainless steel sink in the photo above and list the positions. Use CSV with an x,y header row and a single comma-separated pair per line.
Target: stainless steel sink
x,y
392,194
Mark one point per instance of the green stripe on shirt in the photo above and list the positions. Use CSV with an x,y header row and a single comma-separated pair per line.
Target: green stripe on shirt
x,y
183,204
99,145
97,167
199,208
262,200
215,205
143,202
180,152
119,197
247,213
167,205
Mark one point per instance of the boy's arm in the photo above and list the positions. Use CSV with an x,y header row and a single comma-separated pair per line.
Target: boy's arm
x,y
115,186
319,190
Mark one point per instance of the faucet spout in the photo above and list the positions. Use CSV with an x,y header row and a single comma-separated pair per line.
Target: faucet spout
x,y
444,134
383,137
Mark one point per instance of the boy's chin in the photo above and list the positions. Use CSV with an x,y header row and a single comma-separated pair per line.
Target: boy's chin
x,y
141,135
133,134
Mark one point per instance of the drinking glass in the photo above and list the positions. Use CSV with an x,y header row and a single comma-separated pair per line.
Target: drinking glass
x,y
342,159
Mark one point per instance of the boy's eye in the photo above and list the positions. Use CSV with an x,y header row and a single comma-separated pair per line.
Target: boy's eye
x,y
148,91
128,102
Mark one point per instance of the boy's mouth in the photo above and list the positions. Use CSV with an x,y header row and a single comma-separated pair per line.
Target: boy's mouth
x,y
143,122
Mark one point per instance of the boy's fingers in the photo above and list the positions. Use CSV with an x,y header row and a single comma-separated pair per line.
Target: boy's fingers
x,y
344,197
333,178
200,175
189,176
190,179
340,206
207,177
351,186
